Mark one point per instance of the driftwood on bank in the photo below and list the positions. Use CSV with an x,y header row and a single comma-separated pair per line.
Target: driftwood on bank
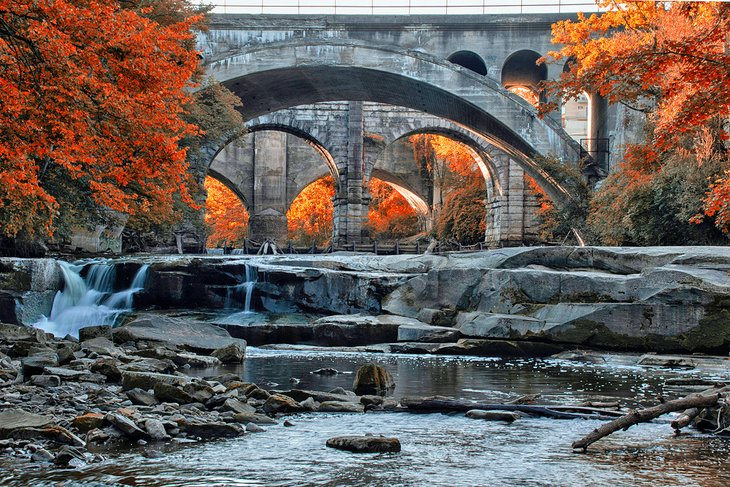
x,y
443,405
644,415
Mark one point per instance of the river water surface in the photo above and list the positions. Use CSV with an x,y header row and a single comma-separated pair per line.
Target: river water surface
x,y
437,449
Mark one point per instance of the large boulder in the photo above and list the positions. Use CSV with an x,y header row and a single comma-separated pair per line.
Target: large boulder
x,y
185,333
358,329
372,380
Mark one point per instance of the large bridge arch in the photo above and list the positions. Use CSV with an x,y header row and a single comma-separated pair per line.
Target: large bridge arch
x,y
278,75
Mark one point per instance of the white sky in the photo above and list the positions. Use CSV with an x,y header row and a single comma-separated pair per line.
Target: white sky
x,y
400,7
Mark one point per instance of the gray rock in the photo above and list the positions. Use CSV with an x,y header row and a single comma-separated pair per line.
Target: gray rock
x,y
340,407
101,346
45,380
35,364
200,392
211,430
230,354
421,331
319,396
147,381
237,406
365,444
279,403
194,360
356,329
141,398
671,361
17,419
189,334
68,455
125,425
42,455
170,393
371,379
254,428
90,332
309,404
156,430
253,418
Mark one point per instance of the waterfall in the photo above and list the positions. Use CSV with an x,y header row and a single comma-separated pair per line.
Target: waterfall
x,y
243,290
89,301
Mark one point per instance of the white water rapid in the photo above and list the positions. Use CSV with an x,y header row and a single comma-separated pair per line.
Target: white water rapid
x,y
89,301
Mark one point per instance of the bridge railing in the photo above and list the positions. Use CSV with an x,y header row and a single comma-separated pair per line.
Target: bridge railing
x,y
400,7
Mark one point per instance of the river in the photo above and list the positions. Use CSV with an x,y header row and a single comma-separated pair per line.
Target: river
x,y
436,449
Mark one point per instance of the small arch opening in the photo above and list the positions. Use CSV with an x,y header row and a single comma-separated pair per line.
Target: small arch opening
x,y
310,216
522,75
469,60
225,215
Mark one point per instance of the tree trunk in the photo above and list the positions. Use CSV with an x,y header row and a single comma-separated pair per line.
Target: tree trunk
x,y
644,415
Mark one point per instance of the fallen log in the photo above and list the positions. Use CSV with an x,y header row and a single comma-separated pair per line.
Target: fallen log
x,y
644,415
685,418
441,405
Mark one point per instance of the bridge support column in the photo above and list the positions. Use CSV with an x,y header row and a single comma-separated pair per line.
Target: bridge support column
x,y
510,216
352,200
268,215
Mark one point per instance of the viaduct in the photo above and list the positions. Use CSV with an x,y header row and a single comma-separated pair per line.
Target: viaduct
x,y
338,95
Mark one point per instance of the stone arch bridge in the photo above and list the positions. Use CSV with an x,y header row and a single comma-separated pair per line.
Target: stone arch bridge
x,y
389,77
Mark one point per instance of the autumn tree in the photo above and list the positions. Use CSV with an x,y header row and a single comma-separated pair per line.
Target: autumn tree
x,y
310,216
225,215
93,97
671,62
460,183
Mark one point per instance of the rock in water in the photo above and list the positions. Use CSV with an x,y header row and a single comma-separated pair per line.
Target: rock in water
x,y
365,444
374,380
493,415
230,354
279,403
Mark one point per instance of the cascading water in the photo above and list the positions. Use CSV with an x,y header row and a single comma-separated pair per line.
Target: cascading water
x,y
89,301
243,290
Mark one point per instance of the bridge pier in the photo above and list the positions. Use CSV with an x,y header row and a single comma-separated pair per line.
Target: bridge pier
x,y
268,210
352,200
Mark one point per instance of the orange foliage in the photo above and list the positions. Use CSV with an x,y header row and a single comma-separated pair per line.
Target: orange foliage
x,y
390,216
674,53
311,213
455,171
667,59
225,215
96,92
